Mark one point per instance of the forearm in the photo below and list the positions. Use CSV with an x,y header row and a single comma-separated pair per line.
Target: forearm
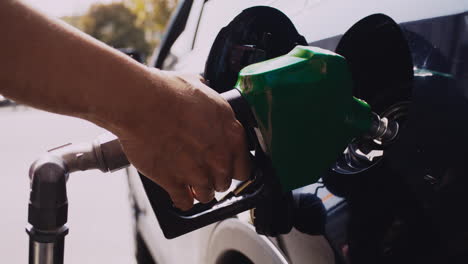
x,y
49,65
173,128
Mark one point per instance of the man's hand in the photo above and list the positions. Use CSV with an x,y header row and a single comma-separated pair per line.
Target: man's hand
x,y
173,128
188,141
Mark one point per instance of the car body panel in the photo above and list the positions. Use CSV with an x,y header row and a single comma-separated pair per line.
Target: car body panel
x,y
235,235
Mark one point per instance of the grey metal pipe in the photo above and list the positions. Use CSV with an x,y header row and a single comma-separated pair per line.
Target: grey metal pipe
x,y
45,250
46,253
48,203
104,153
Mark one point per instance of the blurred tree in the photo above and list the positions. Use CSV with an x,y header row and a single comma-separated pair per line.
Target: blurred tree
x,y
152,16
116,25
72,20
136,24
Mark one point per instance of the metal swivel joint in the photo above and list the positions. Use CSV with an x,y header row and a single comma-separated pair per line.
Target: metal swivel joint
x,y
48,204
383,129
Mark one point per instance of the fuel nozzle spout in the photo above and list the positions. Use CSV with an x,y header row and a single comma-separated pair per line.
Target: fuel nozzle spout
x,y
383,129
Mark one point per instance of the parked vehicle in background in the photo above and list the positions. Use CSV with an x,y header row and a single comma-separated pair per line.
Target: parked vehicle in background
x,y
401,207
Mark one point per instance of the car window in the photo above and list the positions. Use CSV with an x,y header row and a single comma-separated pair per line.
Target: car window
x,y
184,42
217,14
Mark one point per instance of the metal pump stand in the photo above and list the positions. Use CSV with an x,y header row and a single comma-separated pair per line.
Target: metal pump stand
x,y
48,204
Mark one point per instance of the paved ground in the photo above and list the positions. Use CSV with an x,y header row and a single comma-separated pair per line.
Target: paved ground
x,y
99,213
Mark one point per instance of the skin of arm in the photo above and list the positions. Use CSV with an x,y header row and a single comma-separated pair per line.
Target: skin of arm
x,y
174,129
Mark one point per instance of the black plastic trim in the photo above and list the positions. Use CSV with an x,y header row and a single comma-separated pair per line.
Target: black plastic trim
x,y
177,25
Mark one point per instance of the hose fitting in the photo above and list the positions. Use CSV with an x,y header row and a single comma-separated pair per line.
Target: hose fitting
x,y
383,129
48,203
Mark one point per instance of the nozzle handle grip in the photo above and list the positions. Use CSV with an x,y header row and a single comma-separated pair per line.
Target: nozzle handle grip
x,y
240,106
243,112
175,222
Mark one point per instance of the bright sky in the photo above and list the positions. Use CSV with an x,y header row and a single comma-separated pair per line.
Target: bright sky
x,y
60,8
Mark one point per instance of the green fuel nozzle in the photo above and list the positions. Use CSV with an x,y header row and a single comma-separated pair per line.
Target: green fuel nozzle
x,y
305,112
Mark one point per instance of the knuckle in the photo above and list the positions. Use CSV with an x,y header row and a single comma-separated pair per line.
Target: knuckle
x,y
205,197
224,185
219,159
178,193
183,203
197,92
220,172
203,181
220,168
236,131
179,198
202,194
226,111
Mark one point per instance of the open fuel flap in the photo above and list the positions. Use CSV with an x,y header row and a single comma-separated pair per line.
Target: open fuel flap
x,y
382,71
257,34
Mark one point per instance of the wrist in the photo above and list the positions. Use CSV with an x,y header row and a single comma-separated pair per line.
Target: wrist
x,y
130,103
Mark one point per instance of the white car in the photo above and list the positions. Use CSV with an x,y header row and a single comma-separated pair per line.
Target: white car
x,y
406,205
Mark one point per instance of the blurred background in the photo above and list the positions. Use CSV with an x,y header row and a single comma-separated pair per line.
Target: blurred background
x,y
134,24
99,209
